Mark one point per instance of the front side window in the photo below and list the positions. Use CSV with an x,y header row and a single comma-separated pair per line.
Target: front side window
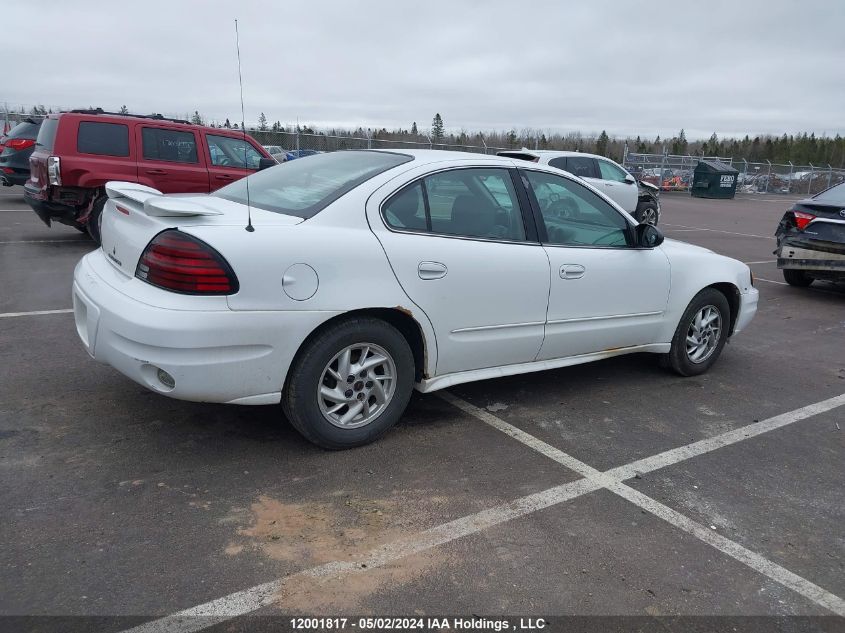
x,y
582,166
232,152
303,188
465,202
609,171
574,215
169,145
107,139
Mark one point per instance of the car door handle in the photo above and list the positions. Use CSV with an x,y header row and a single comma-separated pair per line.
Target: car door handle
x,y
156,171
432,270
572,271
223,177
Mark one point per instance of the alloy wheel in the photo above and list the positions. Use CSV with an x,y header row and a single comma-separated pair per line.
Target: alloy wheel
x,y
703,334
357,385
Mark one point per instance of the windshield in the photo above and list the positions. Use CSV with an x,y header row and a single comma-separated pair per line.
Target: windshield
x,y
306,186
836,195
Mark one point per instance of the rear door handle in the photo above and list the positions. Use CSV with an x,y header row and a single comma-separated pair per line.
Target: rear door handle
x,y
572,271
223,177
432,270
156,171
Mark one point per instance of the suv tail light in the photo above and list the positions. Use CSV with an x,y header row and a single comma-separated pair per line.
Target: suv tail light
x,y
180,262
802,219
20,143
54,170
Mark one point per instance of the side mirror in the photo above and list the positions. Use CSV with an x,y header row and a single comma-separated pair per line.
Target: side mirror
x,y
630,179
648,236
264,163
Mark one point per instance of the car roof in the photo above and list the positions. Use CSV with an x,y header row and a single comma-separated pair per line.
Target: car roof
x,y
550,153
425,156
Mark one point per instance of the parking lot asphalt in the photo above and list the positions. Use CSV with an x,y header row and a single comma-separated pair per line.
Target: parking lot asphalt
x,y
537,495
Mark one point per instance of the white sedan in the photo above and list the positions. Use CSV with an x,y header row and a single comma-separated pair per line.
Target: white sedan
x,y
337,283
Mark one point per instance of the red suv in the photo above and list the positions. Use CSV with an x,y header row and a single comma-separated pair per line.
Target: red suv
x,y
78,152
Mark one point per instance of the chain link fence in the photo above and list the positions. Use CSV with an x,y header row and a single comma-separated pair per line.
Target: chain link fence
x,y
320,142
675,173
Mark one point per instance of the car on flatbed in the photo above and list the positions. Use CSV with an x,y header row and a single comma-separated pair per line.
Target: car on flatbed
x,y
76,153
811,239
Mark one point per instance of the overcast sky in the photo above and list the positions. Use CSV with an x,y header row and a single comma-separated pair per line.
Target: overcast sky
x,y
733,67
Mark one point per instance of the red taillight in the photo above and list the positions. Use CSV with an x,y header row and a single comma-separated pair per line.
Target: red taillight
x,y
802,219
20,143
179,262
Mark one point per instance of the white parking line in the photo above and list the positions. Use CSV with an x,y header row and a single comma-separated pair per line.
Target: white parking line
x,y
755,561
771,281
73,241
260,596
765,261
4,315
254,598
763,237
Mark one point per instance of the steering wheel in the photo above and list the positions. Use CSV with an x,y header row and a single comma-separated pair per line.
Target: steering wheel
x,y
562,207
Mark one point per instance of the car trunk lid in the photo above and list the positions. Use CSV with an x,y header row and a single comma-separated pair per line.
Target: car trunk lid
x,y
135,214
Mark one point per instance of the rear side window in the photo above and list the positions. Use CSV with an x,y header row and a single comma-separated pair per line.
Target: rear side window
x,y
465,202
47,135
108,139
559,162
168,145
582,167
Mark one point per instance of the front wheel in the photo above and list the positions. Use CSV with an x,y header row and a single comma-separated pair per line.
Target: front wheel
x,y
797,278
701,334
647,213
351,384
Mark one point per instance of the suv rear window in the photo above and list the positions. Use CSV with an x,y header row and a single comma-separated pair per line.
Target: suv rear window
x,y
47,135
306,186
169,145
109,139
25,129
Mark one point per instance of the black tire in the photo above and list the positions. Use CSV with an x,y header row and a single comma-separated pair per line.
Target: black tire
x,y
93,225
300,401
646,210
798,278
678,359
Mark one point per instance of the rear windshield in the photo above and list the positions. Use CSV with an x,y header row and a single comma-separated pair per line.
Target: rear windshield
x,y
836,195
47,135
26,129
306,186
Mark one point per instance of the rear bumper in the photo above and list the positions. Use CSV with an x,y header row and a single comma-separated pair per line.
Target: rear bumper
x,y
221,355
47,210
14,176
809,255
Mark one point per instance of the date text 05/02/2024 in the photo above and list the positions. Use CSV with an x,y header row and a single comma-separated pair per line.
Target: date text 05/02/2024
x,y
474,623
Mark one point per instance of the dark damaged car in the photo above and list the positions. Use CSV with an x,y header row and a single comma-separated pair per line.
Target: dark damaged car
x,y
811,239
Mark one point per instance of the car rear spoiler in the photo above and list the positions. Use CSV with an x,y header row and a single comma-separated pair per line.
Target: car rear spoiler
x,y
155,203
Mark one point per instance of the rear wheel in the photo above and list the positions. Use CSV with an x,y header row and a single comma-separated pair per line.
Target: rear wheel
x,y
797,278
351,384
701,334
95,219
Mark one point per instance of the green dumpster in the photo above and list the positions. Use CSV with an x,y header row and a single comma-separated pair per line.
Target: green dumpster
x,y
714,179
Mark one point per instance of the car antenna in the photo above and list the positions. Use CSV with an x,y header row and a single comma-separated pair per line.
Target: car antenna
x,y
249,226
